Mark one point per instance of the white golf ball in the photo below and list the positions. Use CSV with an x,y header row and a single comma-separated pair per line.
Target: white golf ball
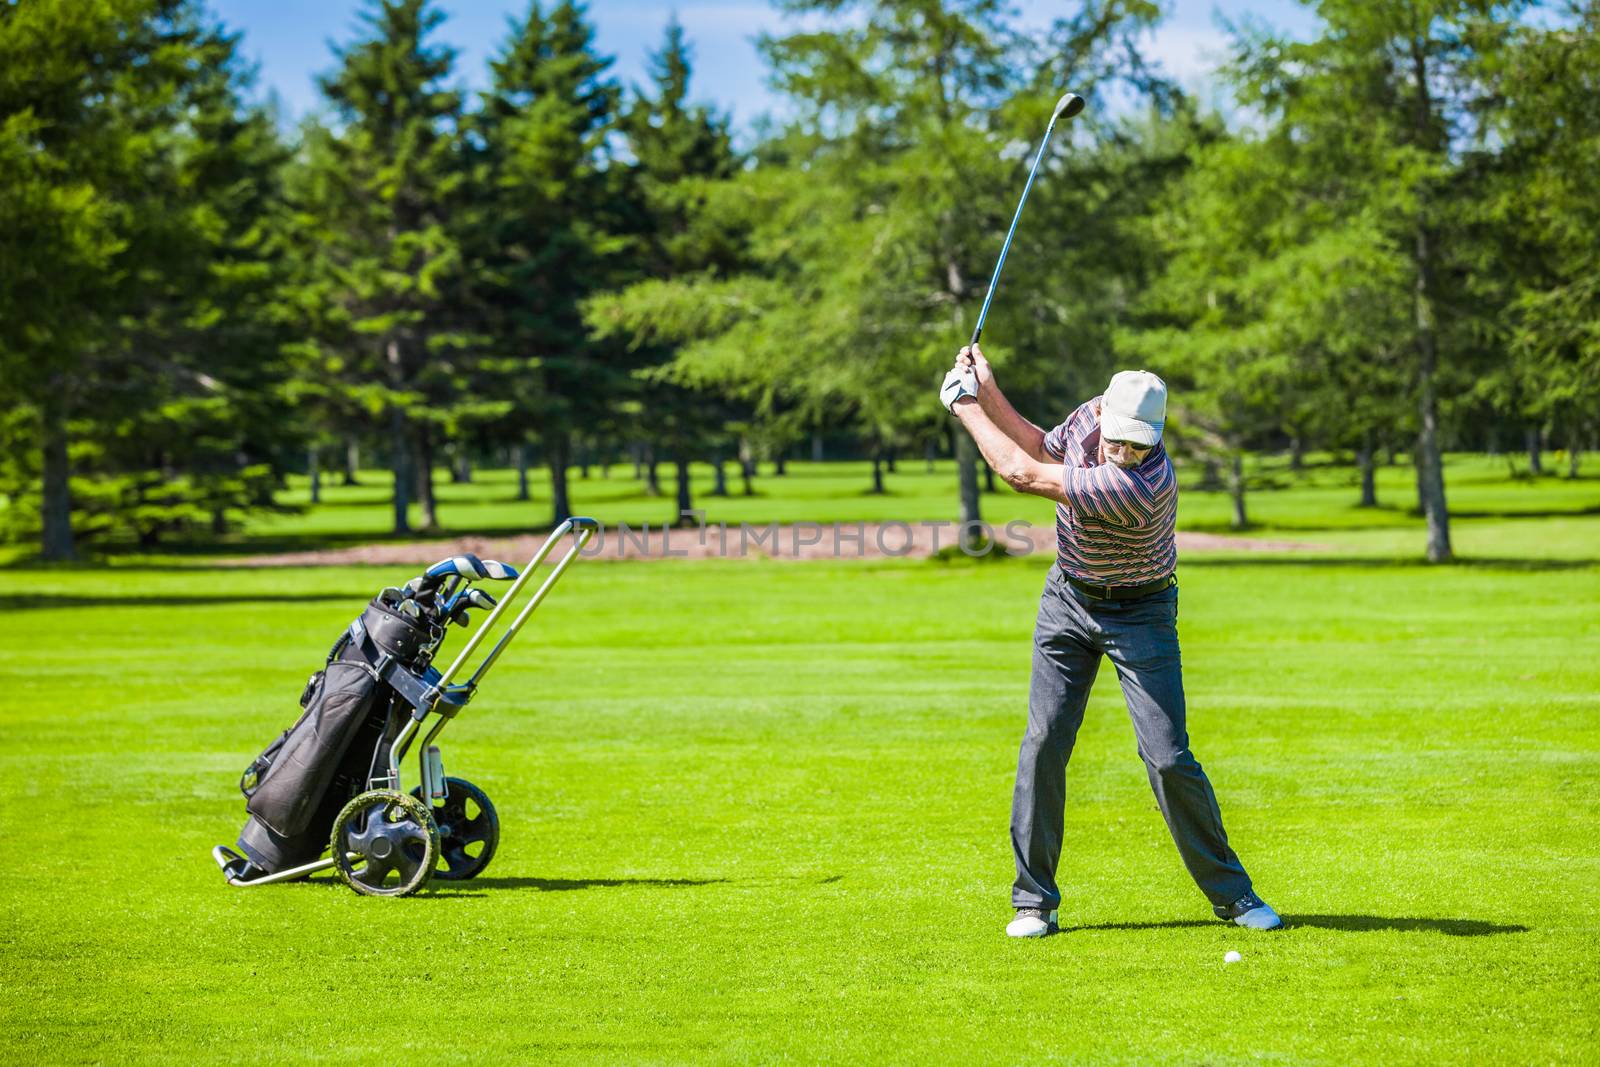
x,y
1232,957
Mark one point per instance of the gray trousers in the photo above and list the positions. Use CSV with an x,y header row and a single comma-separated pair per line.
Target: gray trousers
x,y
1141,637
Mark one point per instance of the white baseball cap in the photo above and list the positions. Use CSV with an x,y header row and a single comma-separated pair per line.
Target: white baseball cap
x,y
1134,408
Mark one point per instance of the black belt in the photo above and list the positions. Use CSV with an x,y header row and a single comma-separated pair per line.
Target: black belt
x,y
1122,592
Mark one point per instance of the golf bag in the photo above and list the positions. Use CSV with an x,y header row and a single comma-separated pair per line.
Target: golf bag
x,y
332,782
297,786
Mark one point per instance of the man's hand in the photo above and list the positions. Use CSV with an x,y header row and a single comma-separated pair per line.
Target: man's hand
x,y
971,356
961,384
993,403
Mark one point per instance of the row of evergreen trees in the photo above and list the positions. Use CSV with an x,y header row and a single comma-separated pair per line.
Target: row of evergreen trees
x,y
190,303
1394,248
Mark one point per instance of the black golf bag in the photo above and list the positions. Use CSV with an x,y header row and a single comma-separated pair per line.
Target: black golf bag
x,y
332,782
297,786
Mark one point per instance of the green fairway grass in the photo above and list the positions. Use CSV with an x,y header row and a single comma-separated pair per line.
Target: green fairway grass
x,y
759,812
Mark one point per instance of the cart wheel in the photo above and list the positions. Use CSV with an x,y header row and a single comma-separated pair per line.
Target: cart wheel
x,y
385,844
469,830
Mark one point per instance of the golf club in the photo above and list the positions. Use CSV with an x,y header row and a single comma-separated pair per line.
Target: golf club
x,y
1069,105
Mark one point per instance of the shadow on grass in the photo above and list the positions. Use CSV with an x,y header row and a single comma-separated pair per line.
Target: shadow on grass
x,y
1453,927
59,601
1358,923
1311,559
1413,515
1549,513
562,885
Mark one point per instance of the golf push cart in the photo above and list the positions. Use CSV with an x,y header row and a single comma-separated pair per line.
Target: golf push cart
x,y
331,782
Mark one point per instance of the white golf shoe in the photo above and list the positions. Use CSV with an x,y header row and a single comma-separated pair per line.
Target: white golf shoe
x,y
1252,913
1032,922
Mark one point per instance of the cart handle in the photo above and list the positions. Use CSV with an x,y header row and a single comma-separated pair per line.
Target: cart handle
x,y
585,528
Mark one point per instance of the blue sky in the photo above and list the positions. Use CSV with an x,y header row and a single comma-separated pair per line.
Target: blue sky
x,y
289,39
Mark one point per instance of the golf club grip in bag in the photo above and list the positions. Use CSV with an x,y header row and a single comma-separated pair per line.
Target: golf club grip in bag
x,y
291,799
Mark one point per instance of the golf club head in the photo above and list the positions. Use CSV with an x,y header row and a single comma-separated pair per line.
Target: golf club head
x,y
456,609
466,597
1069,105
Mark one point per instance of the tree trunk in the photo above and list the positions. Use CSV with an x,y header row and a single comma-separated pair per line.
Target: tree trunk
x,y
1297,454
427,503
519,456
1429,463
462,472
1430,470
816,447
56,542
219,521
399,441
747,466
719,484
988,478
400,461
1532,437
967,478
1241,519
778,468
1210,475
1574,451
930,453
558,448
685,496
652,478
877,471
638,462
352,461
1366,460
314,468
888,461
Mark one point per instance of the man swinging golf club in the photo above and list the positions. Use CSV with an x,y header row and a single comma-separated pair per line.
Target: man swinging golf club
x,y
1112,592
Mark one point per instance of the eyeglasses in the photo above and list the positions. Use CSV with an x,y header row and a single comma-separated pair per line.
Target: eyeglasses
x,y
1131,446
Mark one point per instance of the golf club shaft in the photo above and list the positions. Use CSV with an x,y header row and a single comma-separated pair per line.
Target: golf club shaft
x,y
983,313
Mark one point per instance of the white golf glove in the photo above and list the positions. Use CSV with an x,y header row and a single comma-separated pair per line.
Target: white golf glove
x,y
960,382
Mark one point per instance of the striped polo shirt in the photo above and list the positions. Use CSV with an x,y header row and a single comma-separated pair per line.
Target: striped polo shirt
x,y
1119,526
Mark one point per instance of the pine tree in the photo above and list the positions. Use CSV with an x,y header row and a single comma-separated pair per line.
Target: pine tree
x,y
1387,100
1534,230
872,219
547,229
135,289
390,180
680,153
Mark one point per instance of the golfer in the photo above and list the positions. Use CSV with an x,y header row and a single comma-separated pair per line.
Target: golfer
x,y
1112,592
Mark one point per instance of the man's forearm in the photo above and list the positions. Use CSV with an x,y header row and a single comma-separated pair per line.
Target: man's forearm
x,y
1000,450
1006,418
1008,458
